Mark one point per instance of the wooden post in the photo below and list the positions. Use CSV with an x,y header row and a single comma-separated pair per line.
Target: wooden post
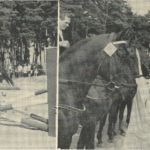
x,y
51,57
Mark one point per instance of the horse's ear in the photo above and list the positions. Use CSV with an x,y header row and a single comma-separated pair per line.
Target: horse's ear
x,y
112,36
119,35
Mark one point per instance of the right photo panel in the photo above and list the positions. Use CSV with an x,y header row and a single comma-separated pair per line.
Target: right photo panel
x,y
104,74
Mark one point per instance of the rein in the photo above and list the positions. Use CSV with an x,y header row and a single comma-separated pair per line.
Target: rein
x,y
111,83
71,108
65,81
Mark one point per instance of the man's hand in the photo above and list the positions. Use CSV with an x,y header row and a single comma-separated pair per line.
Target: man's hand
x,y
65,44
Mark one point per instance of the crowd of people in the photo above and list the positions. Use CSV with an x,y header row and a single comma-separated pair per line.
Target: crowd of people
x,y
34,65
25,70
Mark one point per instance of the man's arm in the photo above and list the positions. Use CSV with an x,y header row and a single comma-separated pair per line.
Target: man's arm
x,y
64,44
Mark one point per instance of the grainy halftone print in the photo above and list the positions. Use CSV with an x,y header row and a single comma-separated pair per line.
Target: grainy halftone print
x,y
28,29
104,74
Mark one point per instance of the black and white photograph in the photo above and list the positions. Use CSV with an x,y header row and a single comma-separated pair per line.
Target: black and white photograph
x,y
104,74
28,46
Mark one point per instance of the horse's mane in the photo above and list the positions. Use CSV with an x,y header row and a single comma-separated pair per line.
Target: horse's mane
x,y
128,34
77,45
73,48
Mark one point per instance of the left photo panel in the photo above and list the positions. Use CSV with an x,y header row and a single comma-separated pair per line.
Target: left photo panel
x,y
28,57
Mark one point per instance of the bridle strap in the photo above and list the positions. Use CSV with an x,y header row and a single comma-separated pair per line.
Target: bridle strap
x,y
65,81
71,108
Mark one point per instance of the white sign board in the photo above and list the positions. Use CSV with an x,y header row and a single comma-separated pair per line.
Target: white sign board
x,y
110,49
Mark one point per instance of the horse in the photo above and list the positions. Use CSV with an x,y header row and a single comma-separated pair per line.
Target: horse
x,y
130,91
79,63
129,97
78,67
120,75
130,71
128,74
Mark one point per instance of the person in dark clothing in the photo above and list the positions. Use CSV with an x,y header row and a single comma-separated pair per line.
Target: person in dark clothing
x,y
92,32
145,71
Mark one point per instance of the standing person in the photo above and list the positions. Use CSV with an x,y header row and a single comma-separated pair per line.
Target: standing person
x,y
25,70
20,68
63,24
10,70
31,53
138,136
29,70
43,59
16,72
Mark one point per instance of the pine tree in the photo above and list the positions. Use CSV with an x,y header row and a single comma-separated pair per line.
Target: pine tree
x,y
24,21
103,15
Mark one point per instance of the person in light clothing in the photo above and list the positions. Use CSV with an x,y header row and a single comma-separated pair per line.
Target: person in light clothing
x,y
63,24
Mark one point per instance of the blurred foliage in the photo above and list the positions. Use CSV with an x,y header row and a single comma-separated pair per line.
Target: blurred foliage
x,y
105,16
23,22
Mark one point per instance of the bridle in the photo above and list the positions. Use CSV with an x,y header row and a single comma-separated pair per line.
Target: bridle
x,y
110,86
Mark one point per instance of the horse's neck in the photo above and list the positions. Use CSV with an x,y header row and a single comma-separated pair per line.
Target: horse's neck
x,y
73,94
81,65
127,72
79,74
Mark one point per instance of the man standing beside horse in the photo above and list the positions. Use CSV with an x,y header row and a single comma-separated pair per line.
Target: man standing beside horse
x,y
63,24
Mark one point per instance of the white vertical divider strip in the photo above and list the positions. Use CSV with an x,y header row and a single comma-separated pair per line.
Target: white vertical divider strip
x,y
139,62
57,73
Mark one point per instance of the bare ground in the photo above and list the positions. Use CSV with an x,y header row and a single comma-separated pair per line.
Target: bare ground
x,y
12,134
107,145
